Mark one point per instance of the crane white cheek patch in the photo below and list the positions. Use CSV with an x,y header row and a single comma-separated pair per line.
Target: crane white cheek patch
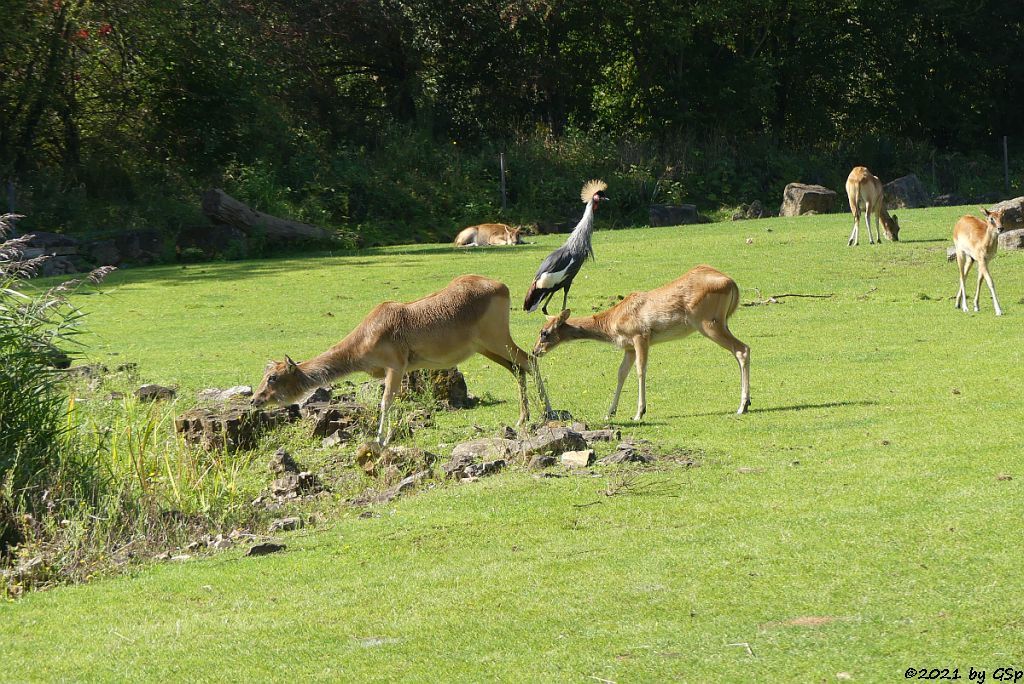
x,y
549,280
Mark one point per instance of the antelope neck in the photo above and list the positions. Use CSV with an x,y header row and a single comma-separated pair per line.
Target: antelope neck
x,y
585,328
336,362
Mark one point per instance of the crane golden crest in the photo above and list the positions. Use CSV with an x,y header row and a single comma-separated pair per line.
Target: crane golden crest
x,y
591,188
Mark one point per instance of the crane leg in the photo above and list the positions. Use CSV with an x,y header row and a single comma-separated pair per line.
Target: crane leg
x,y
565,297
547,300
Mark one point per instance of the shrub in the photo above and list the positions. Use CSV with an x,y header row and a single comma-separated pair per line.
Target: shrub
x,y
34,426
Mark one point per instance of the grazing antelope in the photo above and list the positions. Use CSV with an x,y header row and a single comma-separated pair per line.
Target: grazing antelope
x,y
865,193
489,234
702,300
977,240
469,316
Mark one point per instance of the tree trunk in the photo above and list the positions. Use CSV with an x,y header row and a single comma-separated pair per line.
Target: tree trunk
x,y
222,208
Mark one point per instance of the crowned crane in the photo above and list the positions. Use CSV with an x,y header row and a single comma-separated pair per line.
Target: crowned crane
x,y
562,265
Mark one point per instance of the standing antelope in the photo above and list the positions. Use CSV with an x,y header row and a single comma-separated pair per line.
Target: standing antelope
x,y
489,234
440,330
703,299
865,193
977,240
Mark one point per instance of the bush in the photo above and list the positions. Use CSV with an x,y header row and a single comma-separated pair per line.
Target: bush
x,y
34,426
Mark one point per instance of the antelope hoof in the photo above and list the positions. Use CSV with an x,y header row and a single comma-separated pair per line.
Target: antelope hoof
x,y
743,407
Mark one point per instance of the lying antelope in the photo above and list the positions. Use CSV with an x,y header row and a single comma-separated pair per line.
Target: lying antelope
x,y
703,299
489,234
865,193
440,330
977,240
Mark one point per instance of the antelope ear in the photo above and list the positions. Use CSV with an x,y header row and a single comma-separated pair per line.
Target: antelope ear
x,y
985,211
564,315
289,362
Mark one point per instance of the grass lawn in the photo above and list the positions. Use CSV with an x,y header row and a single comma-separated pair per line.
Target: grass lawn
x,y
857,522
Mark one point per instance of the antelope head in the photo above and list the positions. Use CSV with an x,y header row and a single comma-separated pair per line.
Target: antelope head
x,y
994,219
283,383
891,225
514,236
551,334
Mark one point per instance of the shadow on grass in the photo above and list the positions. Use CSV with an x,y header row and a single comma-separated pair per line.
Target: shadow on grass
x,y
776,409
925,241
804,407
235,271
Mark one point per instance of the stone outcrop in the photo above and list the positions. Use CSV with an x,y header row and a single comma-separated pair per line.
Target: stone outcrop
x,y
673,214
800,198
906,192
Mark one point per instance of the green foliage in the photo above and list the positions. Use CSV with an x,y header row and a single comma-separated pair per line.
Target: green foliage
x,y
385,118
38,468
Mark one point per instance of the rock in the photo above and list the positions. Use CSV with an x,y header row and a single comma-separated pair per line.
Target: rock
x,y
446,386
90,371
320,395
906,192
558,416
389,495
293,485
265,549
478,470
553,227
211,241
57,266
949,200
332,418
541,461
233,427
54,243
629,452
152,392
578,459
390,462
334,439
607,435
486,448
754,210
136,246
288,524
219,542
672,214
1012,239
800,198
222,396
554,441
282,462
1013,213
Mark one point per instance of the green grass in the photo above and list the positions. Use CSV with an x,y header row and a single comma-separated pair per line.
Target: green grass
x,y
868,492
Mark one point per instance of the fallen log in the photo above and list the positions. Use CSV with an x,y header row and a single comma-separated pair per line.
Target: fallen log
x,y
223,209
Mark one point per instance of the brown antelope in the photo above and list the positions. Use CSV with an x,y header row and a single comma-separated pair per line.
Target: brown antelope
x,y
865,193
440,330
489,234
702,300
977,240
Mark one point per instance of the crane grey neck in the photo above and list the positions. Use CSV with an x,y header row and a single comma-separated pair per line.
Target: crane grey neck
x,y
579,241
